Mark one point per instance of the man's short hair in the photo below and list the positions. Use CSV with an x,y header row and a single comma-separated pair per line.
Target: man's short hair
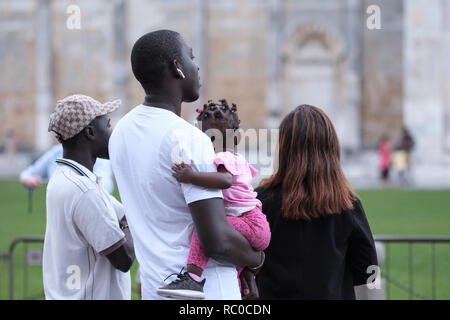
x,y
152,54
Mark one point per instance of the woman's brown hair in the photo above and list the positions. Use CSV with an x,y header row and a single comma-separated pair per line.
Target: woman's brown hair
x,y
309,170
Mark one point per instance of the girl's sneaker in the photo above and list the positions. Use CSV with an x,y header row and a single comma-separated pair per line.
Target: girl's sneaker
x,y
183,288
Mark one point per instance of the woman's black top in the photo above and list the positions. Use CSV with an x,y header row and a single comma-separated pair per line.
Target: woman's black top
x,y
318,259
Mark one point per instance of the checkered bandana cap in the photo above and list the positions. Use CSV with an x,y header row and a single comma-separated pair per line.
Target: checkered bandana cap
x,y
74,113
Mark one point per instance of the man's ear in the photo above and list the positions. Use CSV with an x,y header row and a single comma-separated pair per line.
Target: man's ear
x,y
177,69
89,132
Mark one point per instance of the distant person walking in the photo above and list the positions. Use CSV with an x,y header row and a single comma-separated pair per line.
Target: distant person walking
x,y
321,243
384,153
407,144
400,166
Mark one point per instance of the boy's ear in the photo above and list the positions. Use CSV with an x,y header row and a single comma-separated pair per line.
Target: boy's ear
x,y
89,132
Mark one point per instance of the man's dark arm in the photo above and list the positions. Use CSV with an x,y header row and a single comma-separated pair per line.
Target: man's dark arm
x,y
122,258
218,239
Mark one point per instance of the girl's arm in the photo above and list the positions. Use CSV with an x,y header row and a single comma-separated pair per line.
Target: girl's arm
x,y
213,180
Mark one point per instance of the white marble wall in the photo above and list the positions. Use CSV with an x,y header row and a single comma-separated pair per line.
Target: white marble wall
x,y
445,41
424,72
44,79
186,17
18,36
245,53
320,62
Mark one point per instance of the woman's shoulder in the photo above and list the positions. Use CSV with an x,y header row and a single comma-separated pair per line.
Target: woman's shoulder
x,y
357,206
356,212
267,194
261,191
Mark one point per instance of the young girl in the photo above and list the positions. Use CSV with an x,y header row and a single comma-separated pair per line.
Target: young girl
x,y
234,175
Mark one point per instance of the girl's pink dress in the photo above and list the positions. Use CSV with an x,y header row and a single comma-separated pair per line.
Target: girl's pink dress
x,y
241,206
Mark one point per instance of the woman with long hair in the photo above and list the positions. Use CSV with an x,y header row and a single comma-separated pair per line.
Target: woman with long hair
x,y
322,245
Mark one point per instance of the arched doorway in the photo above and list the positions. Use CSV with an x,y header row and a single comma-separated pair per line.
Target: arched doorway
x,y
314,73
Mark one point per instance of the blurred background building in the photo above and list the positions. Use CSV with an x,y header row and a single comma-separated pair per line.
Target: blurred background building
x,y
268,56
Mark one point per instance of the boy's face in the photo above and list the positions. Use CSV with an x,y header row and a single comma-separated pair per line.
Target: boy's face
x,y
102,132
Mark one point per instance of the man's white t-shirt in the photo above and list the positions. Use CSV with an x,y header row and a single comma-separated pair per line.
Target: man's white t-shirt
x,y
143,147
82,227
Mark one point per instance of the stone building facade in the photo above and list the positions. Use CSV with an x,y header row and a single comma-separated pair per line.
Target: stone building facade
x,y
268,56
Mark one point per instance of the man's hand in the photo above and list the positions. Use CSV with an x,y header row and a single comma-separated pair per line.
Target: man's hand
x,y
183,173
31,182
248,285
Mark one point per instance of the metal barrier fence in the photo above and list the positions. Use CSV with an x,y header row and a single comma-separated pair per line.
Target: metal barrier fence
x,y
385,269
410,241
28,260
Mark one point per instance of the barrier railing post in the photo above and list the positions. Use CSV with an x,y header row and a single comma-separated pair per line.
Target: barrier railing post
x,y
410,269
14,243
388,285
433,270
411,240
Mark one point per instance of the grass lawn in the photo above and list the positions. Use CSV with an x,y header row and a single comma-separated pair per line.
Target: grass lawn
x,y
390,212
412,212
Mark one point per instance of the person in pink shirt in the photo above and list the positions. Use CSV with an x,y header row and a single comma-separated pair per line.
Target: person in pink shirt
x,y
384,152
234,176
